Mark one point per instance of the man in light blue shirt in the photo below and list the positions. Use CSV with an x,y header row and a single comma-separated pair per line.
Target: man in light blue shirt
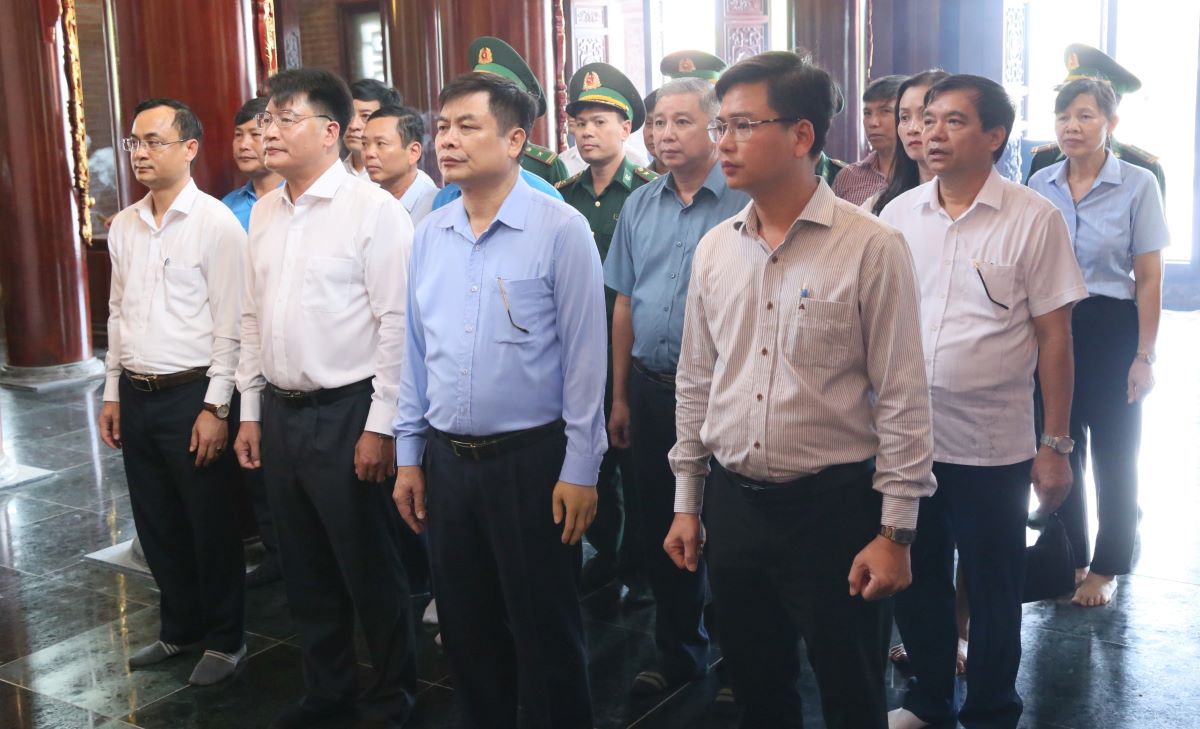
x,y
649,265
248,156
502,412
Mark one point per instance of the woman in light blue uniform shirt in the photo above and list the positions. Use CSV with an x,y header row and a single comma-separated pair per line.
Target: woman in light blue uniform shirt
x,y
1115,213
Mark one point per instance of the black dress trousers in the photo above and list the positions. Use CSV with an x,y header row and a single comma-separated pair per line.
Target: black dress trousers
x,y
339,547
185,517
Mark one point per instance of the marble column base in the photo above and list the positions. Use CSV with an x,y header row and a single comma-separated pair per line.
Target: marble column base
x,y
14,474
40,379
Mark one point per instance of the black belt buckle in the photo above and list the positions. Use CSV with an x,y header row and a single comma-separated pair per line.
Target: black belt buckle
x,y
469,451
141,383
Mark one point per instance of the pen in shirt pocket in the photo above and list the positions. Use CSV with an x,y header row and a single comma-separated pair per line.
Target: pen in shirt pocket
x,y
803,296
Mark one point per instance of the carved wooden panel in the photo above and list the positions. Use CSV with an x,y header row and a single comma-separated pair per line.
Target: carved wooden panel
x,y
744,29
590,31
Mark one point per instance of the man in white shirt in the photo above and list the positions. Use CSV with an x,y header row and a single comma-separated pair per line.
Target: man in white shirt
x,y
173,331
392,149
998,278
323,335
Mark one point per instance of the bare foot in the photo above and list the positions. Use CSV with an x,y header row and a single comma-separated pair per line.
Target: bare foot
x,y
1080,575
961,665
1095,590
897,654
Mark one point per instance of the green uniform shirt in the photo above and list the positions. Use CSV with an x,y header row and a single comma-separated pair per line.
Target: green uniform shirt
x,y
1048,154
828,168
544,163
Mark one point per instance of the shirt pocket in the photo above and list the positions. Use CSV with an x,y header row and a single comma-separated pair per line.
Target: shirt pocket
x,y
994,285
520,309
819,333
327,282
184,290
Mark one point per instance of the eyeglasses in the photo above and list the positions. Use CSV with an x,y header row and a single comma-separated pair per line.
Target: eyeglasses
x,y
284,120
133,144
504,298
985,287
743,128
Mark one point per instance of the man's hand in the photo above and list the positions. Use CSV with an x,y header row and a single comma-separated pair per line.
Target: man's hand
x,y
374,457
574,508
110,424
1051,476
248,444
618,425
880,570
209,436
409,496
685,541
1141,381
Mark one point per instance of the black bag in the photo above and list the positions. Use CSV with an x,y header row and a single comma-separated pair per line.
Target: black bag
x,y
1049,563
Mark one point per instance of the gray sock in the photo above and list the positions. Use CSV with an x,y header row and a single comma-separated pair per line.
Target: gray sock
x,y
159,651
215,666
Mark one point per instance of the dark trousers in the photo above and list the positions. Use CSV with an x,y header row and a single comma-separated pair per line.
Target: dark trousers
x,y
678,594
508,606
614,531
982,510
1106,427
779,558
185,517
340,553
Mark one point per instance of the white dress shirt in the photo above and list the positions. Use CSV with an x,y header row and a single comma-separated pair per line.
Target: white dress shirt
x,y
1010,247
804,357
175,300
325,293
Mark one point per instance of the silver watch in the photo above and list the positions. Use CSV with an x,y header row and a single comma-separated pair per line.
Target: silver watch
x,y
1060,443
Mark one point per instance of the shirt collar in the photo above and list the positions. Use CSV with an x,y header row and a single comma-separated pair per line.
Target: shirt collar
x,y
714,181
623,177
819,210
513,211
182,204
991,194
327,185
414,191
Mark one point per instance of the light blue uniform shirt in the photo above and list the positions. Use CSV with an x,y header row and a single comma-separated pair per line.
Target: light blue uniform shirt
x,y
452,192
650,259
468,368
240,200
1119,218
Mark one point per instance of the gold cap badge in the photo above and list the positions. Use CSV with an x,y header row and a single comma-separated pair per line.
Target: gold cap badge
x,y
485,55
591,81
1073,62
687,65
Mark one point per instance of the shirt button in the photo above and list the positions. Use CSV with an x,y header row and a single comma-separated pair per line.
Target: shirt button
x,y
476,246
672,275
464,370
470,329
679,244
664,308
764,351
759,396
946,262
597,203
757,445
774,259
474,289
770,305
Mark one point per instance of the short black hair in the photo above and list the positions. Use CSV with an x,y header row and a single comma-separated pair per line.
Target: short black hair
x,y
991,101
509,103
324,90
1101,91
408,122
883,88
369,89
250,110
796,88
651,101
186,122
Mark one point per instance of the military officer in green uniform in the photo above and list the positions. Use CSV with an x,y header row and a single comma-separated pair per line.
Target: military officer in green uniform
x,y
492,55
1084,61
606,108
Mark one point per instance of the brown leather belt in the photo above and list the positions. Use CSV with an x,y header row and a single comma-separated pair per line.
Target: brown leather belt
x,y
158,383
479,448
662,378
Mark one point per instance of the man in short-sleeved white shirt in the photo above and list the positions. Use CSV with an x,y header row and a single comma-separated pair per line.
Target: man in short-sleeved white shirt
x,y
998,278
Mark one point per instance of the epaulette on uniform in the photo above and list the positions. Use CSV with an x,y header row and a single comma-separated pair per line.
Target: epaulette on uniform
x,y
645,173
1128,150
1043,148
541,154
569,181
838,163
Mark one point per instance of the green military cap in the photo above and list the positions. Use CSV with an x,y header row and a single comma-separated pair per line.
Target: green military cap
x,y
692,64
492,55
600,83
1084,61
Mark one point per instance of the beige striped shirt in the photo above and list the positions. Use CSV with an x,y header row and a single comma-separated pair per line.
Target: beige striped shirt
x,y
804,357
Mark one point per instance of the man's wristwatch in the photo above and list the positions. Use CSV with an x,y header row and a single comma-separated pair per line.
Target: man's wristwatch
x,y
1062,444
221,411
1148,357
898,535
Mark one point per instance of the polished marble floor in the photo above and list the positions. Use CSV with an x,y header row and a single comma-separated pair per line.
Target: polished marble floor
x,y
67,625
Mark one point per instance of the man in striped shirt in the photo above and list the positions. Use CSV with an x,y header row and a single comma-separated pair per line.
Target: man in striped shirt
x,y
801,378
